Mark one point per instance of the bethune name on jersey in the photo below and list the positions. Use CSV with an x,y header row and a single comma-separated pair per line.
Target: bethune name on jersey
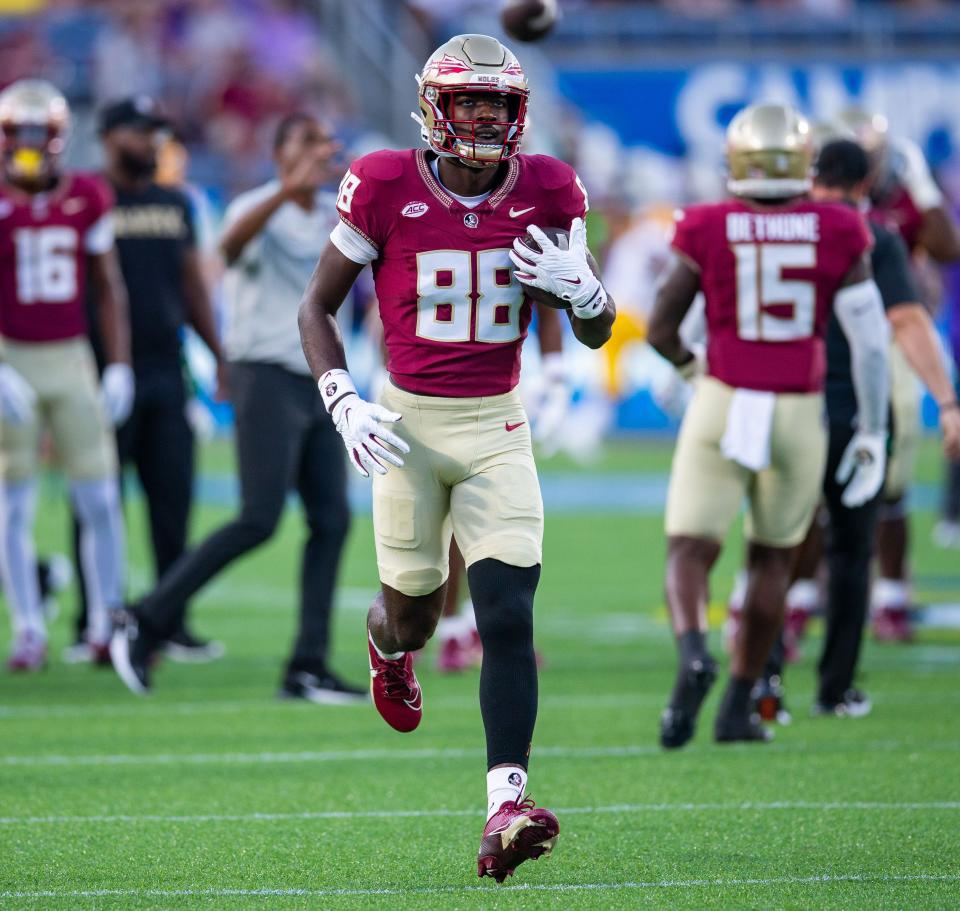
x,y
750,227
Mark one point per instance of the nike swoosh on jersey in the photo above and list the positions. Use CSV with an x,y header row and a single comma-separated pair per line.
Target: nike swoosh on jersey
x,y
510,427
516,213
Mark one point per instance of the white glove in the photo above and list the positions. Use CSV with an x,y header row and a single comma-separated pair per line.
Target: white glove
x,y
552,404
360,424
863,464
116,392
910,166
17,396
561,271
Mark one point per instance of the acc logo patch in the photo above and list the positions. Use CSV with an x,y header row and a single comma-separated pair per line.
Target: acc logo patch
x,y
414,209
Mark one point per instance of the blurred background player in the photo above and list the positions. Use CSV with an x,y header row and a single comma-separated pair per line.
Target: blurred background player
x,y
56,236
843,176
437,226
905,197
772,268
157,247
271,239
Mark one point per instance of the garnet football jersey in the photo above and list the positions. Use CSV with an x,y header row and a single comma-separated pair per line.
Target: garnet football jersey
x,y
454,316
899,213
44,243
769,276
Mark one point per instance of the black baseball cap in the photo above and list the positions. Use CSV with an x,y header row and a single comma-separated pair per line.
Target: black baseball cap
x,y
139,111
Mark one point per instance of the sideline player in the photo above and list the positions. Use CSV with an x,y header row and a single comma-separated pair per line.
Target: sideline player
x,y
271,239
772,267
56,235
905,198
439,226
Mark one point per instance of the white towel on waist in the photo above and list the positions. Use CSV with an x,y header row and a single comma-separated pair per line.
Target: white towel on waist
x,y
749,422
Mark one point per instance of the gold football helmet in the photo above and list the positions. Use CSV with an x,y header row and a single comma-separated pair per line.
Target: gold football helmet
x,y
868,129
471,63
34,122
769,152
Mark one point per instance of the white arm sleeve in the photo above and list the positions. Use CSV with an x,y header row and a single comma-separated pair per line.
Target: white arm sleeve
x,y
859,309
99,236
352,245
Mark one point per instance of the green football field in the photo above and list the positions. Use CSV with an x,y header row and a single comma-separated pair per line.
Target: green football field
x,y
211,793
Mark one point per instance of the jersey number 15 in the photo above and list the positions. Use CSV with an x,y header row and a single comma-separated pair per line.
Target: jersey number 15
x,y
761,286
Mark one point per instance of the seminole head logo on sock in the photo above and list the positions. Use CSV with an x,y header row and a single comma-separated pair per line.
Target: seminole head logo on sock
x,y
515,779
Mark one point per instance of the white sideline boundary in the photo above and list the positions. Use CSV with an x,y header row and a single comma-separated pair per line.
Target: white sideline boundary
x,y
748,806
49,760
824,879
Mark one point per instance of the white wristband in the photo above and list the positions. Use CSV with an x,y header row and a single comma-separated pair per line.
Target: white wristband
x,y
335,385
593,307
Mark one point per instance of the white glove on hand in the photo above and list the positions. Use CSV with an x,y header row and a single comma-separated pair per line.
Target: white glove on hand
x,y
562,272
552,404
116,392
912,169
17,396
360,424
696,366
863,464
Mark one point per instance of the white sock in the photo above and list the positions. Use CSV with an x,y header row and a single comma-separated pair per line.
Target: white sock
x,y
451,628
804,595
18,561
890,593
503,784
387,656
102,551
735,602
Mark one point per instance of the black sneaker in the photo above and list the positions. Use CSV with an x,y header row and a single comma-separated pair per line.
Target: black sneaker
x,y
731,728
679,719
323,689
185,648
132,650
855,704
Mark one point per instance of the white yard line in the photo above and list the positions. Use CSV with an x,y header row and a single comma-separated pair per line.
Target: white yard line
x,y
626,808
379,755
825,879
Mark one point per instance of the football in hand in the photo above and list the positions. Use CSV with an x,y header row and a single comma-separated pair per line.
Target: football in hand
x,y
529,20
560,237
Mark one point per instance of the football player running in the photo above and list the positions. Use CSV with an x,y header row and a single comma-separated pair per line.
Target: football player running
x,y
56,235
449,445
772,267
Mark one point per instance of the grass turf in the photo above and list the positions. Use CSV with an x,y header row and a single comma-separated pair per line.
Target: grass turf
x,y
211,793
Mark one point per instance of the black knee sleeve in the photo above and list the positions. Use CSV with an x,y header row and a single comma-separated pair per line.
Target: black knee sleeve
x,y
503,603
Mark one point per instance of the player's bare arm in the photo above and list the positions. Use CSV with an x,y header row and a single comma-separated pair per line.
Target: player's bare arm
x,y
674,300
112,310
940,236
370,445
916,336
594,333
329,285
